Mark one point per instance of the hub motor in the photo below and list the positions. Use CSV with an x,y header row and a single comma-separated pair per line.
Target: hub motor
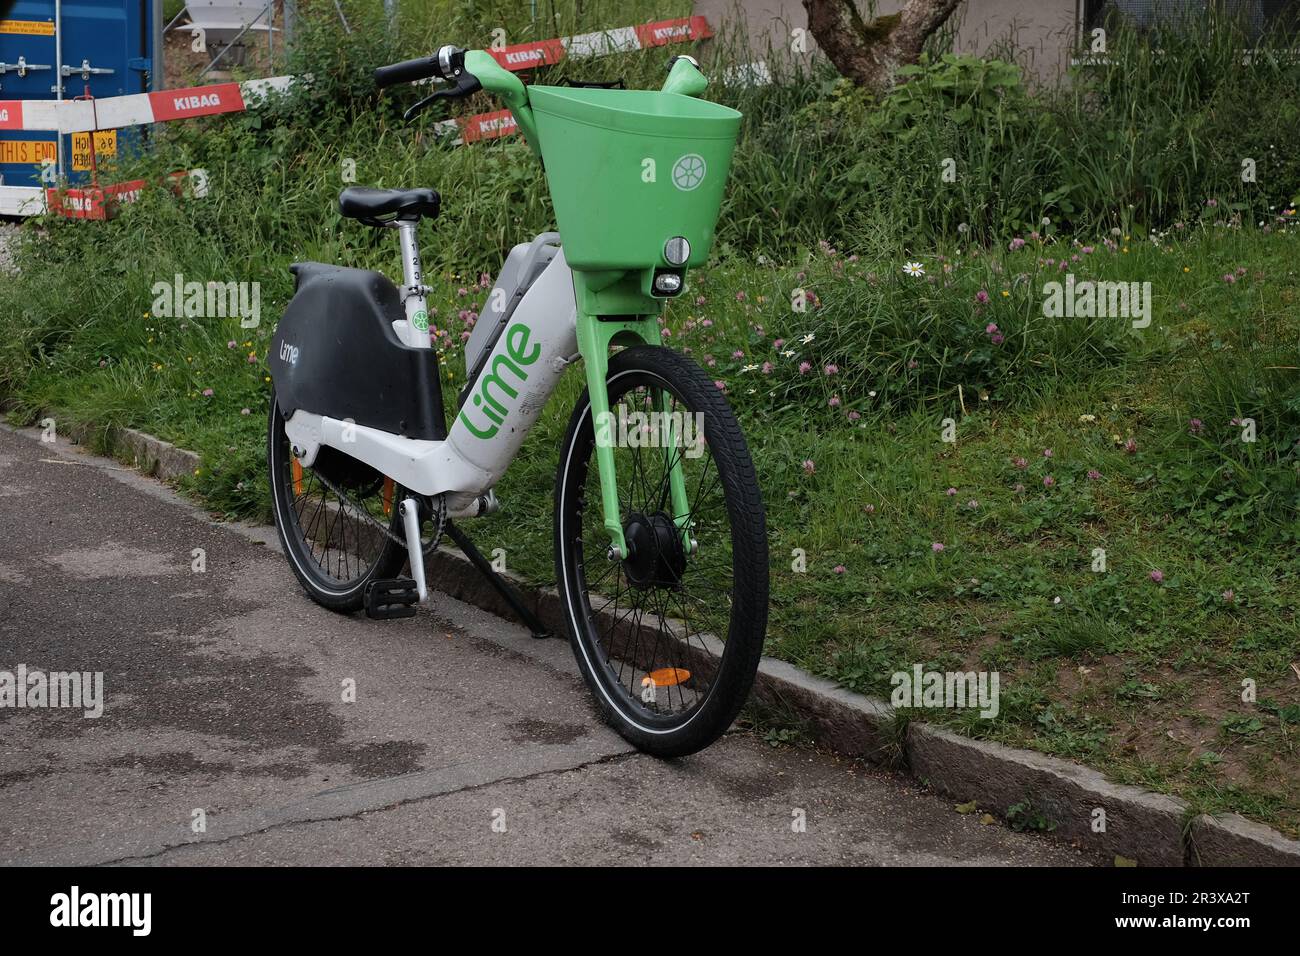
x,y
657,558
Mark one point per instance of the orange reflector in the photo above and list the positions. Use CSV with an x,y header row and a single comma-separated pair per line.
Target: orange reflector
x,y
296,468
388,496
666,677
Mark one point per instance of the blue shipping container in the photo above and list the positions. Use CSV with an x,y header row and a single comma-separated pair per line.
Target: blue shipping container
x,y
104,47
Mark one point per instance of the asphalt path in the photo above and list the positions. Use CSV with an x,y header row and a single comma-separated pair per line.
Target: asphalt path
x,y
468,742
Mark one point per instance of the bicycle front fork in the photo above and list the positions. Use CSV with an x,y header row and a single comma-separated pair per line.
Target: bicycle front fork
x,y
596,334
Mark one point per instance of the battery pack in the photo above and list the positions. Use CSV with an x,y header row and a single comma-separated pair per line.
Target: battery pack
x,y
523,265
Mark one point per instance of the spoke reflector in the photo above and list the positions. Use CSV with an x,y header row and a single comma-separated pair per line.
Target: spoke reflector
x,y
666,677
388,496
297,476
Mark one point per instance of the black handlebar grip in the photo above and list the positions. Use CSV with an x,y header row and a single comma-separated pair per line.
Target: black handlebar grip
x,y
408,71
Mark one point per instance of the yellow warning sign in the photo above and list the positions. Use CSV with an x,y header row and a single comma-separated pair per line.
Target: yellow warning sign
x,y
30,151
105,148
30,28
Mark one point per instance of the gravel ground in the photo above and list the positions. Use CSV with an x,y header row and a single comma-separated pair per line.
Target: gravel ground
x,y
8,232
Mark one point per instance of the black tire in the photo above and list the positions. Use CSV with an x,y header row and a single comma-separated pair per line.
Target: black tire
x,y
333,552
727,597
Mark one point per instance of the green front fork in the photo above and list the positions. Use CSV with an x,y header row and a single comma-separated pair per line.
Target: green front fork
x,y
613,309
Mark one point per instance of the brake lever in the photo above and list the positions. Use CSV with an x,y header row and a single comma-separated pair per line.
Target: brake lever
x,y
465,85
406,117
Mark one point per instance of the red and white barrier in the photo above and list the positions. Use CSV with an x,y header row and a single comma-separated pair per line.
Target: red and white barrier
x,y
137,109
81,202
525,56
116,112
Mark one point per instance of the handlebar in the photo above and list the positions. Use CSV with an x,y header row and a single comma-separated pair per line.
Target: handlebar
x,y
408,71
478,70
446,64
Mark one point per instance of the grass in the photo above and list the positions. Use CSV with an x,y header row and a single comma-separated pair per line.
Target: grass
x,y
1140,606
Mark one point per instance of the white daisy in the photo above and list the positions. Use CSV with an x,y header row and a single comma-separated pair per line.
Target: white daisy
x,y
914,269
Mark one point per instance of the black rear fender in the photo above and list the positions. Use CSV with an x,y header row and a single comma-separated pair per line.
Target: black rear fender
x,y
335,353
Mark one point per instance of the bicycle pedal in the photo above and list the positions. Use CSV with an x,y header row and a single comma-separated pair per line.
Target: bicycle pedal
x,y
391,598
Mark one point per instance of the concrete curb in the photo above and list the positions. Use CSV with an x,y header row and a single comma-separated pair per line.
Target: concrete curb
x,y
1072,800
1052,793
148,454
1232,840
1151,828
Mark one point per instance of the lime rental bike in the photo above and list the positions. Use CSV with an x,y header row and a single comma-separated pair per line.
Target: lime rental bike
x,y
659,532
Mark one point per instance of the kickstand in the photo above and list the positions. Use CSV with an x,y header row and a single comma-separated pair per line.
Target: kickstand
x,y
497,581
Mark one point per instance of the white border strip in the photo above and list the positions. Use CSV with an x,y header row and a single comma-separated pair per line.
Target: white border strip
x,y
22,201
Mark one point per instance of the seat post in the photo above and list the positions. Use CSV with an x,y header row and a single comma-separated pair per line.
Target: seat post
x,y
413,290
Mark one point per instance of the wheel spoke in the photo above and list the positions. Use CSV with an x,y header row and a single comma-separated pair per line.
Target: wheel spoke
x,y
332,527
632,603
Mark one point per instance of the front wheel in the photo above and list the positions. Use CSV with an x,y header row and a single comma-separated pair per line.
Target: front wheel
x,y
668,638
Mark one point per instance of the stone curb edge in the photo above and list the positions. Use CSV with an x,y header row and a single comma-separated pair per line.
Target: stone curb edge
x,y
151,456
1149,828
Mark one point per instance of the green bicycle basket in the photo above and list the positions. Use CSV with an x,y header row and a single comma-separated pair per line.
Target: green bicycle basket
x,y
631,169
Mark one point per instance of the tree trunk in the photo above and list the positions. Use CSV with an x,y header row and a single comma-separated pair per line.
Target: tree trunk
x,y
870,53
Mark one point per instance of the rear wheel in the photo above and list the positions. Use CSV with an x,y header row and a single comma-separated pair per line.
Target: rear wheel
x,y
668,638
326,517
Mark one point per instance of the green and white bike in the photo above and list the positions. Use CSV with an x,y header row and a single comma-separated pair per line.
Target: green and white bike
x,y
661,547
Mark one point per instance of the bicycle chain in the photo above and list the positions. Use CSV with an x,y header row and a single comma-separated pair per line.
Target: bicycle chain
x,y
427,549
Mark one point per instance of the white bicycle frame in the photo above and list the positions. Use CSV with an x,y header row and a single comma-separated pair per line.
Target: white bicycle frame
x,y
544,335
520,375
